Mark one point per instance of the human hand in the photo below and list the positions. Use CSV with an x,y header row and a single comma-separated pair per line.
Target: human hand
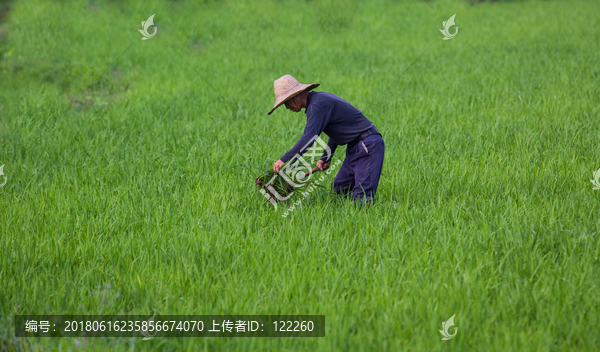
x,y
278,164
323,165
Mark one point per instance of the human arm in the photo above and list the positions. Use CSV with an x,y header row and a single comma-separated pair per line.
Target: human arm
x,y
316,120
328,153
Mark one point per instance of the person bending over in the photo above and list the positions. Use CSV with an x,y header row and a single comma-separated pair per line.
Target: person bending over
x,y
345,125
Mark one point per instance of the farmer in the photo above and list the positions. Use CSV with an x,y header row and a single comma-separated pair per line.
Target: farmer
x,y
345,125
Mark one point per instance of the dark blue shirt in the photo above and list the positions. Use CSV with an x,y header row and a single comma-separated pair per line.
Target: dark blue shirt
x,y
325,112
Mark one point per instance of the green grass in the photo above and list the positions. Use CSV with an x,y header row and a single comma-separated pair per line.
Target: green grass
x,y
144,181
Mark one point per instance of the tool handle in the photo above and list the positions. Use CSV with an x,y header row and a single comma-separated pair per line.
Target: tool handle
x,y
311,171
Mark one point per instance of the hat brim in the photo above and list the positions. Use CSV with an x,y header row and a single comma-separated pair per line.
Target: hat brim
x,y
301,88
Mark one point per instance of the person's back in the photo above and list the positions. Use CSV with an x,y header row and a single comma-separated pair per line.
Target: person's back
x,y
344,122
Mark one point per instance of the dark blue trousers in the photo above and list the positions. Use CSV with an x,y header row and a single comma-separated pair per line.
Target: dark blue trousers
x,y
361,169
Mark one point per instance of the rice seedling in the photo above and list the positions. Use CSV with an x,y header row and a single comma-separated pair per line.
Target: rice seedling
x,y
277,187
485,209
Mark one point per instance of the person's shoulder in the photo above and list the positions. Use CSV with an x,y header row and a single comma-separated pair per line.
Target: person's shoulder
x,y
324,96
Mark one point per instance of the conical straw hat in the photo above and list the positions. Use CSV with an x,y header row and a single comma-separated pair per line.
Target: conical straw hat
x,y
288,87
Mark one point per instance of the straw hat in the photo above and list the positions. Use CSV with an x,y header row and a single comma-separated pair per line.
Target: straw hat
x,y
288,87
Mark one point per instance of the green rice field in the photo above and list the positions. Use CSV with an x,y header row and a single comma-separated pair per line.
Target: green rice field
x,y
130,164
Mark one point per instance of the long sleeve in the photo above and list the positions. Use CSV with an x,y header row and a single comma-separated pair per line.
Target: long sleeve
x,y
332,147
315,122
